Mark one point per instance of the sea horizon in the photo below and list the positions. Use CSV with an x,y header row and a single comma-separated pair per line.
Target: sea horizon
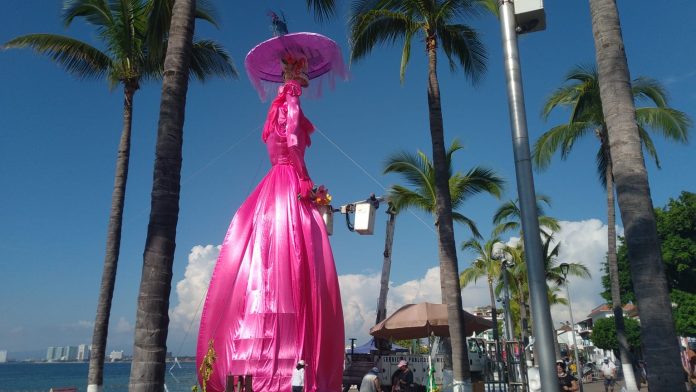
x,y
42,376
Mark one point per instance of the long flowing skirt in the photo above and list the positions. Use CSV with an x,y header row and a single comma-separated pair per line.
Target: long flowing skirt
x,y
274,297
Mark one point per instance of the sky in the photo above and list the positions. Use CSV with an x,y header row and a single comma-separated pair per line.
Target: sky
x,y
58,140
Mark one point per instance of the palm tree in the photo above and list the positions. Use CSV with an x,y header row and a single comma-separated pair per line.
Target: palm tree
x,y
486,264
582,95
152,322
384,21
635,203
420,175
132,33
554,277
508,217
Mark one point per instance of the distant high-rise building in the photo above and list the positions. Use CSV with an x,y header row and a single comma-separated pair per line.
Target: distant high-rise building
x,y
83,352
116,355
54,353
3,356
70,353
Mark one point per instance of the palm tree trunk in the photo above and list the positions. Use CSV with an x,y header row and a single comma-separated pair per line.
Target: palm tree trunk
x,y
625,354
152,323
449,271
633,193
95,378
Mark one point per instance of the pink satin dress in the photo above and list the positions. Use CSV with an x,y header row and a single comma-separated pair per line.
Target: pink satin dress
x,y
274,297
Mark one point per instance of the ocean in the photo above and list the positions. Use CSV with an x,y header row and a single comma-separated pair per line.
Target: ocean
x,y
40,377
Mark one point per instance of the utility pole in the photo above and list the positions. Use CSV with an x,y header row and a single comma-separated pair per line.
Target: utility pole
x,y
383,344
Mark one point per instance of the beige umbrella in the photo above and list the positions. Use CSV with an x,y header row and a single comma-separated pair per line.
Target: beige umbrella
x,y
415,321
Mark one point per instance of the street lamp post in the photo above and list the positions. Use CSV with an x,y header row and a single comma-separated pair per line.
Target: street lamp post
x,y
564,270
509,330
543,327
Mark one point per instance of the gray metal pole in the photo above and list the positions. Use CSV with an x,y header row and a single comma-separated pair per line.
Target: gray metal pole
x,y
383,344
541,313
575,343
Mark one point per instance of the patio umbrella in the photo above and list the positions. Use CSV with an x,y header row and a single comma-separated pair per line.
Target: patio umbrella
x,y
415,321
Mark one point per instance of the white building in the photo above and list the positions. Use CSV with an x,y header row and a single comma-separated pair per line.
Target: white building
x,y
83,352
116,356
3,356
70,353
54,354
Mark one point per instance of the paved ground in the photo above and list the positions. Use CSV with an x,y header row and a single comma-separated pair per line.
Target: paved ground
x,y
595,386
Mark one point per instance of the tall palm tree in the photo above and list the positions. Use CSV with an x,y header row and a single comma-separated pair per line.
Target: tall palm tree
x,y
419,173
437,21
508,217
133,35
152,322
635,203
582,95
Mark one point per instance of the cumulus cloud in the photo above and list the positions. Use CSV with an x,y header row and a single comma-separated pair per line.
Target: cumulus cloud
x,y
582,241
123,326
191,290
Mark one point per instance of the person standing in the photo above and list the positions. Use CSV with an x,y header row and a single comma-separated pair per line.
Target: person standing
x,y
405,379
566,381
608,370
298,377
370,382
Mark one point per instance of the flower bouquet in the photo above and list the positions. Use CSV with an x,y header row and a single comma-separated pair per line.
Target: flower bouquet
x,y
322,199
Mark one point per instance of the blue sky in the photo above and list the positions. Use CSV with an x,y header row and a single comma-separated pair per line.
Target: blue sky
x,y
58,139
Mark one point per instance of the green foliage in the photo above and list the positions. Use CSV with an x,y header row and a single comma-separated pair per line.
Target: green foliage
x,y
604,333
133,37
419,173
684,313
373,23
580,96
676,227
625,283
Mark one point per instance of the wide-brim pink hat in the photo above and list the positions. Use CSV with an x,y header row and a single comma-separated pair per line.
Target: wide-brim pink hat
x,y
323,55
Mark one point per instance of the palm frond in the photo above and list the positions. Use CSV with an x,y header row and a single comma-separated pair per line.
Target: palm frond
x,y
602,160
405,56
648,145
415,168
460,218
672,124
208,58
559,138
464,9
476,180
77,57
491,6
322,9
461,44
648,89
159,14
403,198
374,27
506,227
454,147
96,12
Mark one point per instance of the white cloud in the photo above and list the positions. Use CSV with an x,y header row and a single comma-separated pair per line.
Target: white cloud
x,y
583,241
123,326
191,290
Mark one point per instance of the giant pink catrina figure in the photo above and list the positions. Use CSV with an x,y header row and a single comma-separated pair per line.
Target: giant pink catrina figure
x,y
274,297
